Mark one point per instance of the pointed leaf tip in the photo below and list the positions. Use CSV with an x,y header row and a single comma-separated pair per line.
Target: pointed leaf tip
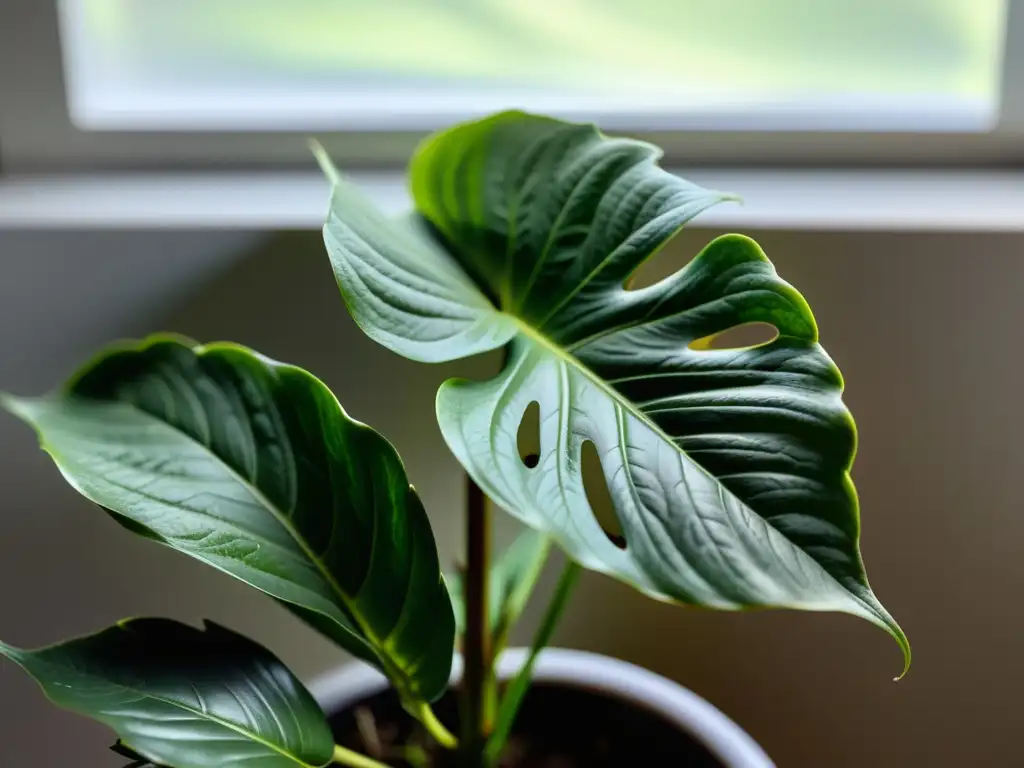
x,y
905,647
9,402
323,159
25,408
885,621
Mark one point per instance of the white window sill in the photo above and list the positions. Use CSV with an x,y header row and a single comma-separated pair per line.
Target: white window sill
x,y
917,200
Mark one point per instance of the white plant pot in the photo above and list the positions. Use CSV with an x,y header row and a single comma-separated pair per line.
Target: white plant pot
x,y
690,713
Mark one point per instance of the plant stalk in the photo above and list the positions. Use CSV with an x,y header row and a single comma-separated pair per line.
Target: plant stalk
x,y
435,727
517,689
352,759
476,650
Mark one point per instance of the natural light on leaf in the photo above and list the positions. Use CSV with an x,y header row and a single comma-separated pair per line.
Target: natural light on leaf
x,y
317,63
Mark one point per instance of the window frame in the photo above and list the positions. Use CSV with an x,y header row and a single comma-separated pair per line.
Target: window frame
x,y
36,132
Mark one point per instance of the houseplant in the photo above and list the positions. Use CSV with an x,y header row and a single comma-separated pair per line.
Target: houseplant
x,y
728,469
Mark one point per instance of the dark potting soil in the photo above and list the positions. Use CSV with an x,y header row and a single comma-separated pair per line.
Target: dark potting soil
x,y
557,727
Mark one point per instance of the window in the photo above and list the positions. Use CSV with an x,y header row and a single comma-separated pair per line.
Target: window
x,y
190,84
829,65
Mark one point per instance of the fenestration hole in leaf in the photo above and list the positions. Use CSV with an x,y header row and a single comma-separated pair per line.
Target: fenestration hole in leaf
x,y
528,436
743,336
667,260
598,496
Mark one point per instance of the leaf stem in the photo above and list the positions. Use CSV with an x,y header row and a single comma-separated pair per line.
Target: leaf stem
x,y
517,689
347,757
476,642
435,727
514,601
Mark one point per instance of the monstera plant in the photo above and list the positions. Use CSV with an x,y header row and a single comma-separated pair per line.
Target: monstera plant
x,y
728,469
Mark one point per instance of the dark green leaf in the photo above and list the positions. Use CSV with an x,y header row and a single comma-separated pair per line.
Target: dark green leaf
x,y
728,468
253,467
187,698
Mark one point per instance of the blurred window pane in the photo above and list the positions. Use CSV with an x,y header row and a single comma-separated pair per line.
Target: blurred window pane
x,y
658,64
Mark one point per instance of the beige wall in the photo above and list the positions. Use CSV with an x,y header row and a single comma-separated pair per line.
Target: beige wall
x,y
926,329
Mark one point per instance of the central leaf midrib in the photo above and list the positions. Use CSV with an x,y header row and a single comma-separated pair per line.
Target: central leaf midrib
x,y
219,721
252,736
536,336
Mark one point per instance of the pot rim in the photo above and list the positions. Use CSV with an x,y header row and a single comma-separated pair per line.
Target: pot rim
x,y
591,671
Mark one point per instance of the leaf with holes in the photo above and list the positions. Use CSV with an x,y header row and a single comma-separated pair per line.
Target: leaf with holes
x,y
253,467
728,469
176,695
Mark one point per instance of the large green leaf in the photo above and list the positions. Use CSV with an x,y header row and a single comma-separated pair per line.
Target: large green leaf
x,y
186,698
253,467
728,469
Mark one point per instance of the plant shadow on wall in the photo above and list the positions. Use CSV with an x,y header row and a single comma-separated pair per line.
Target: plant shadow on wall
x,y
702,405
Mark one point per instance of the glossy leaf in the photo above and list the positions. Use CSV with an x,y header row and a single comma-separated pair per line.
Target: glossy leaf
x,y
510,583
186,698
728,469
253,467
